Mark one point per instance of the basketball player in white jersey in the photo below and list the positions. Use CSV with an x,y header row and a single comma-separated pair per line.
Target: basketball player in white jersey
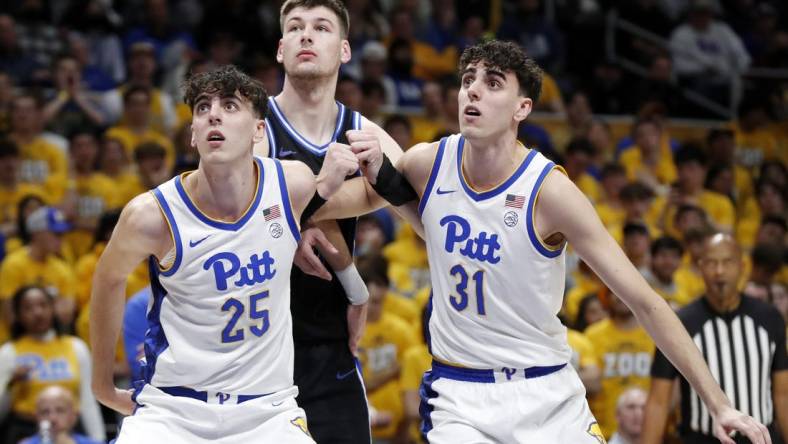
x,y
220,242
497,217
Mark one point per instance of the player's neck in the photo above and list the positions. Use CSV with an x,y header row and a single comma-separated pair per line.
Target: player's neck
x,y
310,107
223,191
487,163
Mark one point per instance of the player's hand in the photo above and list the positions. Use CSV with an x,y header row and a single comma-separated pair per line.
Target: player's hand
x,y
356,322
729,420
305,257
338,163
118,400
366,146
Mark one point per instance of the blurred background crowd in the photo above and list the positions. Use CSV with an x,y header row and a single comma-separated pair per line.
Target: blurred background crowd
x,y
670,115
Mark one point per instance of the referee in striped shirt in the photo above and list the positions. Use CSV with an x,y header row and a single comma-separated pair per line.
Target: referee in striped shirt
x,y
743,342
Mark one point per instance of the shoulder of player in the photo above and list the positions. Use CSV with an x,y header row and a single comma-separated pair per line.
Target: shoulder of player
x,y
300,181
142,216
762,313
419,155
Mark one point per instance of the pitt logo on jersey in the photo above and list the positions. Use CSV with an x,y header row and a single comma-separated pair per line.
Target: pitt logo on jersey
x,y
227,265
482,247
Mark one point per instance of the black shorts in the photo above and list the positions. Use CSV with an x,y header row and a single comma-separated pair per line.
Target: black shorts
x,y
331,392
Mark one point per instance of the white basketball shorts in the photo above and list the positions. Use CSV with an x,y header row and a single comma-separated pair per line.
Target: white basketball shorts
x,y
538,405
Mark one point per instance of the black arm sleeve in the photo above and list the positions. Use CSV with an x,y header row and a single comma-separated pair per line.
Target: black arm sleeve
x,y
312,207
392,185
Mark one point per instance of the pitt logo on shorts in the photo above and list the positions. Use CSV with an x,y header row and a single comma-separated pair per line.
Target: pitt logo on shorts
x,y
300,422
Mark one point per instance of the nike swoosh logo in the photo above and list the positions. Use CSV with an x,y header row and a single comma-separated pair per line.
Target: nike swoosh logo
x,y
286,153
343,376
277,404
440,191
195,243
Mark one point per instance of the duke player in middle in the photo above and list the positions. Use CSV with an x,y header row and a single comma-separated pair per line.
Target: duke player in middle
x,y
497,218
220,242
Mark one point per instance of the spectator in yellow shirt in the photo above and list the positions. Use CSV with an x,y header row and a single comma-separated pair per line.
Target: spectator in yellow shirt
x,y
416,361
584,361
666,253
650,161
95,193
636,244
42,162
381,352
755,139
37,264
721,147
611,208
577,159
152,168
625,352
137,126
691,164
770,199
590,311
550,96
114,163
11,190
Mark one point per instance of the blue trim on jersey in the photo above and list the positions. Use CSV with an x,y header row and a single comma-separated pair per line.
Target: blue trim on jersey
x,y
500,188
356,120
165,207
271,139
426,392
436,166
427,336
320,150
229,226
529,216
286,201
155,339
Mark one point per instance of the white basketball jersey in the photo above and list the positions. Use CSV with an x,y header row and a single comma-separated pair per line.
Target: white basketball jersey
x,y
219,319
496,288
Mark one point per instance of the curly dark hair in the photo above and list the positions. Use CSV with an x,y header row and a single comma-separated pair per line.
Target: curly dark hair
x,y
225,81
506,56
336,6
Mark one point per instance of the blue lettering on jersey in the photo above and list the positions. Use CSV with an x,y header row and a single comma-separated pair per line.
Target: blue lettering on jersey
x,y
482,247
257,271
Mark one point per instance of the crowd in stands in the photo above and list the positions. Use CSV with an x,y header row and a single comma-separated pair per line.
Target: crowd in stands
x,y
91,115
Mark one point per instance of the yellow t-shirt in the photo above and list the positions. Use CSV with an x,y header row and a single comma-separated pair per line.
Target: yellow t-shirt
x,y
718,208
381,349
408,266
610,215
625,359
664,171
417,360
95,195
156,111
10,198
754,147
19,269
583,354
131,140
54,362
404,308
46,165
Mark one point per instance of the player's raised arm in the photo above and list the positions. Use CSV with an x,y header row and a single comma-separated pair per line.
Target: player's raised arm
x,y
562,208
140,232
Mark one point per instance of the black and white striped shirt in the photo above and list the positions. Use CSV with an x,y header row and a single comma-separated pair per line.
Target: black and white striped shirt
x,y
742,348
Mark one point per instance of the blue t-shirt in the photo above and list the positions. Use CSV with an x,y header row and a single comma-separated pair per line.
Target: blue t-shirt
x,y
135,324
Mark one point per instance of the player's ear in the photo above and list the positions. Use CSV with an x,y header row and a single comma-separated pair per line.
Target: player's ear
x,y
192,139
524,106
259,131
344,54
279,56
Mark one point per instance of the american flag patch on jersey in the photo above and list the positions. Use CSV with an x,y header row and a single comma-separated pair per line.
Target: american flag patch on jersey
x,y
514,201
272,213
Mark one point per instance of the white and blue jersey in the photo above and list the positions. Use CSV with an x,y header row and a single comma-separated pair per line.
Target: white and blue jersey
x,y
219,320
496,287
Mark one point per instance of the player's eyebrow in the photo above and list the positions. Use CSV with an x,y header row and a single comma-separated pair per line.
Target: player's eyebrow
x,y
496,73
469,70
